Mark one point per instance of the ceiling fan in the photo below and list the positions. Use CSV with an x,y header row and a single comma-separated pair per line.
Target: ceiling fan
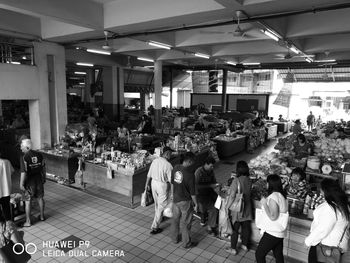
x,y
106,45
238,32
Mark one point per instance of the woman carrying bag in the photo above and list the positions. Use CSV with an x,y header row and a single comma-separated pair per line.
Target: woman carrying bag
x,y
240,185
275,204
329,234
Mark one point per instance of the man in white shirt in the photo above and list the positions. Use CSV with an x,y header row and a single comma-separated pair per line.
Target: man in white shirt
x,y
160,173
6,171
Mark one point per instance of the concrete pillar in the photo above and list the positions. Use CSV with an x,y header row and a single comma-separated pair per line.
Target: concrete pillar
x,y
171,88
89,101
51,111
158,93
224,88
121,100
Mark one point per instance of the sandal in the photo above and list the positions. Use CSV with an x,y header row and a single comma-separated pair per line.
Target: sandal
x,y
231,251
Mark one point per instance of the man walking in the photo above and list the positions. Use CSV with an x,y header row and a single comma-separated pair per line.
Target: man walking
x,y
160,175
183,189
6,171
206,195
32,179
310,120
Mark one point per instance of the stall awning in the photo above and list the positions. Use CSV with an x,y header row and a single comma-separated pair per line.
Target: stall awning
x,y
320,74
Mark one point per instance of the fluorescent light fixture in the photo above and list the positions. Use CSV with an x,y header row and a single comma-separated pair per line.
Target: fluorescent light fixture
x,y
202,55
79,73
16,63
77,48
148,66
160,45
251,64
96,51
325,60
85,64
73,93
231,63
189,71
24,57
81,83
145,59
271,35
293,49
308,60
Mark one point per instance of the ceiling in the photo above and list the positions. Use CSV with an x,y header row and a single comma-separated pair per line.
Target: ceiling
x,y
319,29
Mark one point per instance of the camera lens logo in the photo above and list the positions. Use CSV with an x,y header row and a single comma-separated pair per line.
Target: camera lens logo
x,y
19,248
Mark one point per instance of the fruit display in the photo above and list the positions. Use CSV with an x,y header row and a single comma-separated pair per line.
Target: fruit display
x,y
285,143
328,147
194,142
259,189
133,161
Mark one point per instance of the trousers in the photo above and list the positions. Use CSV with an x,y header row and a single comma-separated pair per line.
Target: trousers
x,y
160,193
5,206
245,233
267,243
182,218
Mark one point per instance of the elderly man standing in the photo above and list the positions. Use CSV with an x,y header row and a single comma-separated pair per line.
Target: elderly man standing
x,y
32,179
6,171
160,175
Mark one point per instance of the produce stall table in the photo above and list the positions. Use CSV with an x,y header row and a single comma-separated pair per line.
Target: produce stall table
x,y
63,165
126,182
228,146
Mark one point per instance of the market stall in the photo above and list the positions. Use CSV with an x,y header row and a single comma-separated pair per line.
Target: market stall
x,y
227,146
283,126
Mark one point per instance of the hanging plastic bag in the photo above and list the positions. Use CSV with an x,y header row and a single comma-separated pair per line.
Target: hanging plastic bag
x,y
146,197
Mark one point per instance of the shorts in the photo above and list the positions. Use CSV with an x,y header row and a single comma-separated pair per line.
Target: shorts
x,y
34,189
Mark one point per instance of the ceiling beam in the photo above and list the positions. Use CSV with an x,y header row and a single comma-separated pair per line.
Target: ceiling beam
x,y
78,12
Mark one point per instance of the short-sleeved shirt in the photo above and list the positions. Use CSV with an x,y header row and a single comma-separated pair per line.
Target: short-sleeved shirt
x,y
301,151
160,170
6,171
183,182
32,164
204,179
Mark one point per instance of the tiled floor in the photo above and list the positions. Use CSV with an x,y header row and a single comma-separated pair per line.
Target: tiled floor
x,y
109,226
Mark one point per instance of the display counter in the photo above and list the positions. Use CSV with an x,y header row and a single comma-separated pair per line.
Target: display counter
x,y
271,131
127,182
61,165
283,126
228,146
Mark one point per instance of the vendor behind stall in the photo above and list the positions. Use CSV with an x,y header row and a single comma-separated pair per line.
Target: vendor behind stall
x,y
145,125
297,127
301,148
199,126
296,187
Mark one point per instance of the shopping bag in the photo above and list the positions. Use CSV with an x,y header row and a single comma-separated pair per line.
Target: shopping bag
x,y
147,198
262,221
218,202
225,227
168,210
238,204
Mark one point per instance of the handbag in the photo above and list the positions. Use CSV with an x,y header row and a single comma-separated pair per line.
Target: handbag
x,y
146,197
9,256
238,204
328,254
263,222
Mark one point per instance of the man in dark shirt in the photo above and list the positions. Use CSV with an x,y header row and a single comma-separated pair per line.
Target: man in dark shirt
x,y
183,189
32,179
206,195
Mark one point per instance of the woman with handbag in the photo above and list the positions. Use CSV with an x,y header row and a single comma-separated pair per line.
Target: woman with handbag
x,y
239,207
8,237
329,236
275,204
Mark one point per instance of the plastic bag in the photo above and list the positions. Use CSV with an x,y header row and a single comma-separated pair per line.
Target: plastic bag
x,y
147,198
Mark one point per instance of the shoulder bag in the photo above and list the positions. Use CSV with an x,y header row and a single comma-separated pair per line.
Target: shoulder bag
x,y
328,254
238,204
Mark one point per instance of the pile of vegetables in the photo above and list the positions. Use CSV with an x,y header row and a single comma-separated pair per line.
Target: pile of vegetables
x,y
272,163
336,148
285,143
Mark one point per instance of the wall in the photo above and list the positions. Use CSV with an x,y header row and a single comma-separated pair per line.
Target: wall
x,y
232,101
206,99
18,82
